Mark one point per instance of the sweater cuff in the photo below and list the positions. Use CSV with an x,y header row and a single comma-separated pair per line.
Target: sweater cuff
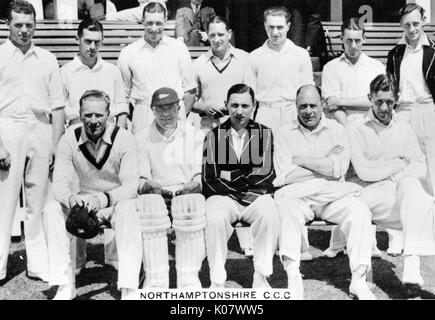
x,y
104,198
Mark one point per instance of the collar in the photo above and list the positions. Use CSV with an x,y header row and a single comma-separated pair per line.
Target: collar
x,y
361,59
78,64
143,44
227,125
423,41
231,52
106,136
234,133
288,45
295,124
12,48
370,118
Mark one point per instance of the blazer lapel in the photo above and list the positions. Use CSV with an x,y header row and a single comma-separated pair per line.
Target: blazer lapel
x,y
428,57
189,14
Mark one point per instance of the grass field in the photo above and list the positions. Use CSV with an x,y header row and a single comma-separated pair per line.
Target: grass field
x,y
323,279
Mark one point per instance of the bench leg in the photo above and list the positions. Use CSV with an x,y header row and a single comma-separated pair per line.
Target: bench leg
x,y
370,281
19,217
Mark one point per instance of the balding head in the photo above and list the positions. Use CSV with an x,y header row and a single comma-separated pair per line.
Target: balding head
x,y
309,106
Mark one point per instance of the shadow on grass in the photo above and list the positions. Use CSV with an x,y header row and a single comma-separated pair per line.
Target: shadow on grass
x,y
336,271
17,263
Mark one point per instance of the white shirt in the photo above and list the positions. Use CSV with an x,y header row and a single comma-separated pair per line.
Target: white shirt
x,y
195,7
145,69
77,78
412,86
292,140
341,78
171,161
276,76
378,151
237,142
29,83
215,76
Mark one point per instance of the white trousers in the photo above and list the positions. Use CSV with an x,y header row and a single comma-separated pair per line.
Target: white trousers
x,y
402,206
349,212
28,144
422,120
62,249
275,115
222,212
143,116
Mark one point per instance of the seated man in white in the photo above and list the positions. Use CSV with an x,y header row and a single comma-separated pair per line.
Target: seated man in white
x,y
237,179
311,157
387,158
104,157
170,153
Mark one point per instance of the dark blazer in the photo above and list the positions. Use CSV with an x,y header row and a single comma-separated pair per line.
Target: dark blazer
x,y
254,171
395,57
184,24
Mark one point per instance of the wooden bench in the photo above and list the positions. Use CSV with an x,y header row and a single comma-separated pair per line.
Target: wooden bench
x,y
380,38
59,37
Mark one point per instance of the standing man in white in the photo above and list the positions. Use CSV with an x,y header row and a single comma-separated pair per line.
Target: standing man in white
x,y
31,123
153,62
276,70
88,70
216,72
411,63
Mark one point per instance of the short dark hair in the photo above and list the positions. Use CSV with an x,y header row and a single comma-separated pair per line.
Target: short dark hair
x,y
218,19
305,86
21,6
277,11
91,25
384,82
353,24
95,95
154,7
408,8
239,89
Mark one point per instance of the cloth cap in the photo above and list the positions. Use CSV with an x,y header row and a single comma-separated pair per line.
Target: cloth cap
x,y
164,96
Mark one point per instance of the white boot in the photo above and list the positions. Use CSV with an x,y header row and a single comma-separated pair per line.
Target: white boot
x,y
128,294
260,281
395,242
66,292
359,288
295,282
331,253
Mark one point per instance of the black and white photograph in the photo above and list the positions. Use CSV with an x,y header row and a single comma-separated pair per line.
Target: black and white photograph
x,y
214,156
